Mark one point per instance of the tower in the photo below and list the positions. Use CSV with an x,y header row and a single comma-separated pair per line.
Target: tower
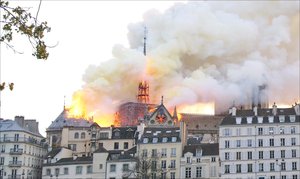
x,y
143,92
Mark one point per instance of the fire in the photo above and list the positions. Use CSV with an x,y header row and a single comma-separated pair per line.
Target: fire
x,y
198,108
77,109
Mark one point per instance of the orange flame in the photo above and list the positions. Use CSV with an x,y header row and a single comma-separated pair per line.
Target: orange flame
x,y
198,108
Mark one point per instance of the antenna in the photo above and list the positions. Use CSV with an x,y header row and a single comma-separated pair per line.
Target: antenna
x,y
145,40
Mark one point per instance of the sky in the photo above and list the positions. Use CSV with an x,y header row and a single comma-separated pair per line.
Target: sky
x,y
84,33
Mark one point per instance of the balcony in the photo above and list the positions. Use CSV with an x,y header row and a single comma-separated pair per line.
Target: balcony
x,y
14,176
15,163
16,151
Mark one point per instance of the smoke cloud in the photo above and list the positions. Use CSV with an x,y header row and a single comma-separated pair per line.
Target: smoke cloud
x,y
203,52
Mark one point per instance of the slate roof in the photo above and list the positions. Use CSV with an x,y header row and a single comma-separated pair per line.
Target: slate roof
x,y
101,150
64,121
10,125
194,140
123,132
202,122
207,149
71,161
53,152
119,155
160,133
264,113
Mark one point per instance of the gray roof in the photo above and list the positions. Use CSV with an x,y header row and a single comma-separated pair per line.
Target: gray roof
x,y
71,161
123,132
265,113
160,133
63,120
207,149
53,152
10,125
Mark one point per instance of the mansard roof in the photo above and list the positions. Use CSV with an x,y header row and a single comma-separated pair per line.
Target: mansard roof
x,y
63,120
207,149
10,125
123,132
71,161
160,135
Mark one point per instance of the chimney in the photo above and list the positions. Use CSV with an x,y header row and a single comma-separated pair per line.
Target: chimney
x,y
74,157
255,110
233,109
183,132
274,110
20,120
297,109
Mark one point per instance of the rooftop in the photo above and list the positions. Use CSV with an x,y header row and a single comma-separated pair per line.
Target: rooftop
x,y
207,149
10,125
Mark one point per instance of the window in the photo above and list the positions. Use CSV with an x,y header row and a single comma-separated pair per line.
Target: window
x,y
103,135
154,153
293,141
66,171
164,139
227,144
226,132
282,165
261,167
271,153
294,176
163,152
249,155
163,175
261,155
155,139
100,166
227,156
271,130
144,153
76,135
199,172
116,145
294,153
260,143
56,171
72,147
125,167
112,168
238,143
249,131
281,130
260,131
174,139
188,160
227,168
198,160
145,140
294,165
153,165
173,164
89,169
172,175
238,155
125,145
293,130
283,177
1,160
48,172
249,142
16,137
163,164
282,141
188,172
173,152
249,169
82,135
282,153
213,159
78,169
272,166
271,142
272,177
238,132
238,168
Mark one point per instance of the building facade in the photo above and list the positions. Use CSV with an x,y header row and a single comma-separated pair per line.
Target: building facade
x,y
22,149
261,143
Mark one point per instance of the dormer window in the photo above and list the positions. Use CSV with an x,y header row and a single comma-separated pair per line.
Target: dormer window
x,y
165,139
260,119
174,139
155,139
292,118
281,118
198,152
117,134
145,140
238,120
271,119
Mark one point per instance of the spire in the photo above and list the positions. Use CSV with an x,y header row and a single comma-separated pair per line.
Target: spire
x,y
175,114
145,40
162,100
64,102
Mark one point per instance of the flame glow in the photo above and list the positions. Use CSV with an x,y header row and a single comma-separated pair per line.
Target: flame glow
x,y
198,108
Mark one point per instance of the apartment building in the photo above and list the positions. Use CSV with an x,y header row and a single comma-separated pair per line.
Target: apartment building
x,y
261,143
22,149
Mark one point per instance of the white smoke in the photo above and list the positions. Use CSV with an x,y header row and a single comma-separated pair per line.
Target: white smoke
x,y
203,52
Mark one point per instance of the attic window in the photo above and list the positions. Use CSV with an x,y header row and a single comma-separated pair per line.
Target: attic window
x,y
281,118
238,120
168,131
164,139
117,134
174,139
155,139
271,119
292,118
148,132
145,140
260,119
249,120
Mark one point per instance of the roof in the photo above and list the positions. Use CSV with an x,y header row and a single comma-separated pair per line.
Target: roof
x,y
132,150
286,114
101,150
160,111
202,122
123,132
162,135
10,125
207,149
63,120
53,152
71,161
119,156
194,140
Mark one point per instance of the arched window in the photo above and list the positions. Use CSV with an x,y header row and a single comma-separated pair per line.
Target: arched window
x,y
76,135
82,135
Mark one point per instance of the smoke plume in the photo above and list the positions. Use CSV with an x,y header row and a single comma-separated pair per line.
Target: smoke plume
x,y
203,52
